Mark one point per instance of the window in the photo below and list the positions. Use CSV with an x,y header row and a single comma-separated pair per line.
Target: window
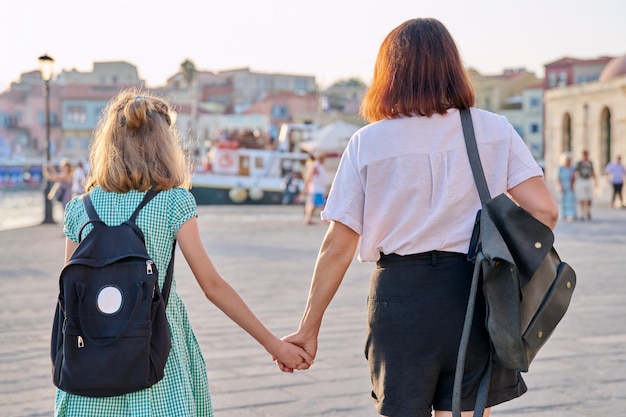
x,y
76,114
258,162
97,113
279,110
300,84
84,143
70,143
552,79
534,128
535,102
41,118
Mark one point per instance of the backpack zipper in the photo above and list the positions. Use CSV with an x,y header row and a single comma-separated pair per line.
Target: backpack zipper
x,y
149,267
81,342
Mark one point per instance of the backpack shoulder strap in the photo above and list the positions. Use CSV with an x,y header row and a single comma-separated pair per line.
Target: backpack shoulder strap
x,y
167,284
149,196
93,214
91,211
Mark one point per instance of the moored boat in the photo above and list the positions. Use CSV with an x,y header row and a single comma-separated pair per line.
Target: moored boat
x,y
236,174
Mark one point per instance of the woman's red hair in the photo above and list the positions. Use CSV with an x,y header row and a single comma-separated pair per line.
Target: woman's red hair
x,y
418,71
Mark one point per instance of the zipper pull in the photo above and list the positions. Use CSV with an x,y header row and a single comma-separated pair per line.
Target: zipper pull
x,y
149,267
81,342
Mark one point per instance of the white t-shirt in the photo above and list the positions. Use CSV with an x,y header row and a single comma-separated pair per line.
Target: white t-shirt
x,y
406,186
616,172
78,180
317,183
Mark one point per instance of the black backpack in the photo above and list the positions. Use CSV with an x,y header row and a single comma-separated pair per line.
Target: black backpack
x,y
110,333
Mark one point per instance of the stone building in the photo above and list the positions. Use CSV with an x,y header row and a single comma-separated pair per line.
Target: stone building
x,y
589,116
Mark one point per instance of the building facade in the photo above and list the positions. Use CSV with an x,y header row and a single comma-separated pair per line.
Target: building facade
x,y
516,94
208,103
589,116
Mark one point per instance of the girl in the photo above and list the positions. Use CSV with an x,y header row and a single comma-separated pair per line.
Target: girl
x,y
136,148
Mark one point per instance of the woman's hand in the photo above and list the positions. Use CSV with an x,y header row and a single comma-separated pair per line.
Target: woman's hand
x,y
290,357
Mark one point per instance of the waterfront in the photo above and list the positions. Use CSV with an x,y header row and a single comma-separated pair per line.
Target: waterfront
x,y
24,207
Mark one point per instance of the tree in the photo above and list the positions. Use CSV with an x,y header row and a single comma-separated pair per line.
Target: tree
x,y
350,82
188,69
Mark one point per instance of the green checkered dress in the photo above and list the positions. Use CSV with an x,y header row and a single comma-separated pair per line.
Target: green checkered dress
x,y
184,391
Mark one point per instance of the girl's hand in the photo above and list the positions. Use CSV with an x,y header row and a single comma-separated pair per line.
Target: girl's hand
x,y
289,357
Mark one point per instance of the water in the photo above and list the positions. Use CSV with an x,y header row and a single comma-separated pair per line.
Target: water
x,y
24,207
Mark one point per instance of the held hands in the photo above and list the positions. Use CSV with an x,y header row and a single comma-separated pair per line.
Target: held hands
x,y
290,357
306,345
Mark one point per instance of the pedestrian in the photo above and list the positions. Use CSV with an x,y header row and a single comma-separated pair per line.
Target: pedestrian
x,y
404,195
61,190
315,188
616,173
566,186
585,179
78,179
136,148
291,188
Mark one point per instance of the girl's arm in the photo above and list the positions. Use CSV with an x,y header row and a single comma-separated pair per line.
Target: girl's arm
x,y
224,297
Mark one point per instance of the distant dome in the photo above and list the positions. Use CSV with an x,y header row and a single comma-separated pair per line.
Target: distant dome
x,y
615,68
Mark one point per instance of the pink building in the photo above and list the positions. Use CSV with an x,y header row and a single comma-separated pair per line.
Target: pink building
x,y
568,71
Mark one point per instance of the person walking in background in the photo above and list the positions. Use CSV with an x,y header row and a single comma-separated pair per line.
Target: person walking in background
x,y
315,188
135,149
78,179
61,191
404,195
616,173
585,179
566,187
292,185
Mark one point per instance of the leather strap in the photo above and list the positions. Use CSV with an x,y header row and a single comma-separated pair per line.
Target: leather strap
x,y
483,191
474,156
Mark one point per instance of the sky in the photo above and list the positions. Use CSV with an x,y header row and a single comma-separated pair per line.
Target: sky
x,y
329,39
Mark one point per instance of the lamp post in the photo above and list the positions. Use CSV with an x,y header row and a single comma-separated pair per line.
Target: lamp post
x,y
46,63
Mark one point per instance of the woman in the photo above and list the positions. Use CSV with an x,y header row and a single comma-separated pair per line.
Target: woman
x,y
566,186
136,148
405,195
62,189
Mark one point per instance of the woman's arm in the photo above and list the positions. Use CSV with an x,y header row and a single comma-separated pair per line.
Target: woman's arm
x,y
224,297
335,255
534,196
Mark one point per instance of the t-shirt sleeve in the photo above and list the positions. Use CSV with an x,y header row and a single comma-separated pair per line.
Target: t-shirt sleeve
x,y
182,208
522,165
74,218
346,199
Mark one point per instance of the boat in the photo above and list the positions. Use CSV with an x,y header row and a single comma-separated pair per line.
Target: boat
x,y
21,174
240,171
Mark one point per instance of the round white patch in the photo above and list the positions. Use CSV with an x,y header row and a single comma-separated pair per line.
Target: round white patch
x,y
109,300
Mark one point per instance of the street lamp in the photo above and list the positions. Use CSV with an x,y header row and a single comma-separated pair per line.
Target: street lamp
x,y
45,63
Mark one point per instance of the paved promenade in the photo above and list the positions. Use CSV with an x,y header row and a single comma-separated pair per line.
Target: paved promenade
x,y
268,255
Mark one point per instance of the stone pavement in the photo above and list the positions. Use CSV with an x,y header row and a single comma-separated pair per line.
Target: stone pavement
x,y
268,256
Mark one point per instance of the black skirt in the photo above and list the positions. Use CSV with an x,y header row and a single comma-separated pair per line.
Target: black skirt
x,y
416,310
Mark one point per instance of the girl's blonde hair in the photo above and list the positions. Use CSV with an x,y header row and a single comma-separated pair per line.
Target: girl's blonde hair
x,y
136,147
